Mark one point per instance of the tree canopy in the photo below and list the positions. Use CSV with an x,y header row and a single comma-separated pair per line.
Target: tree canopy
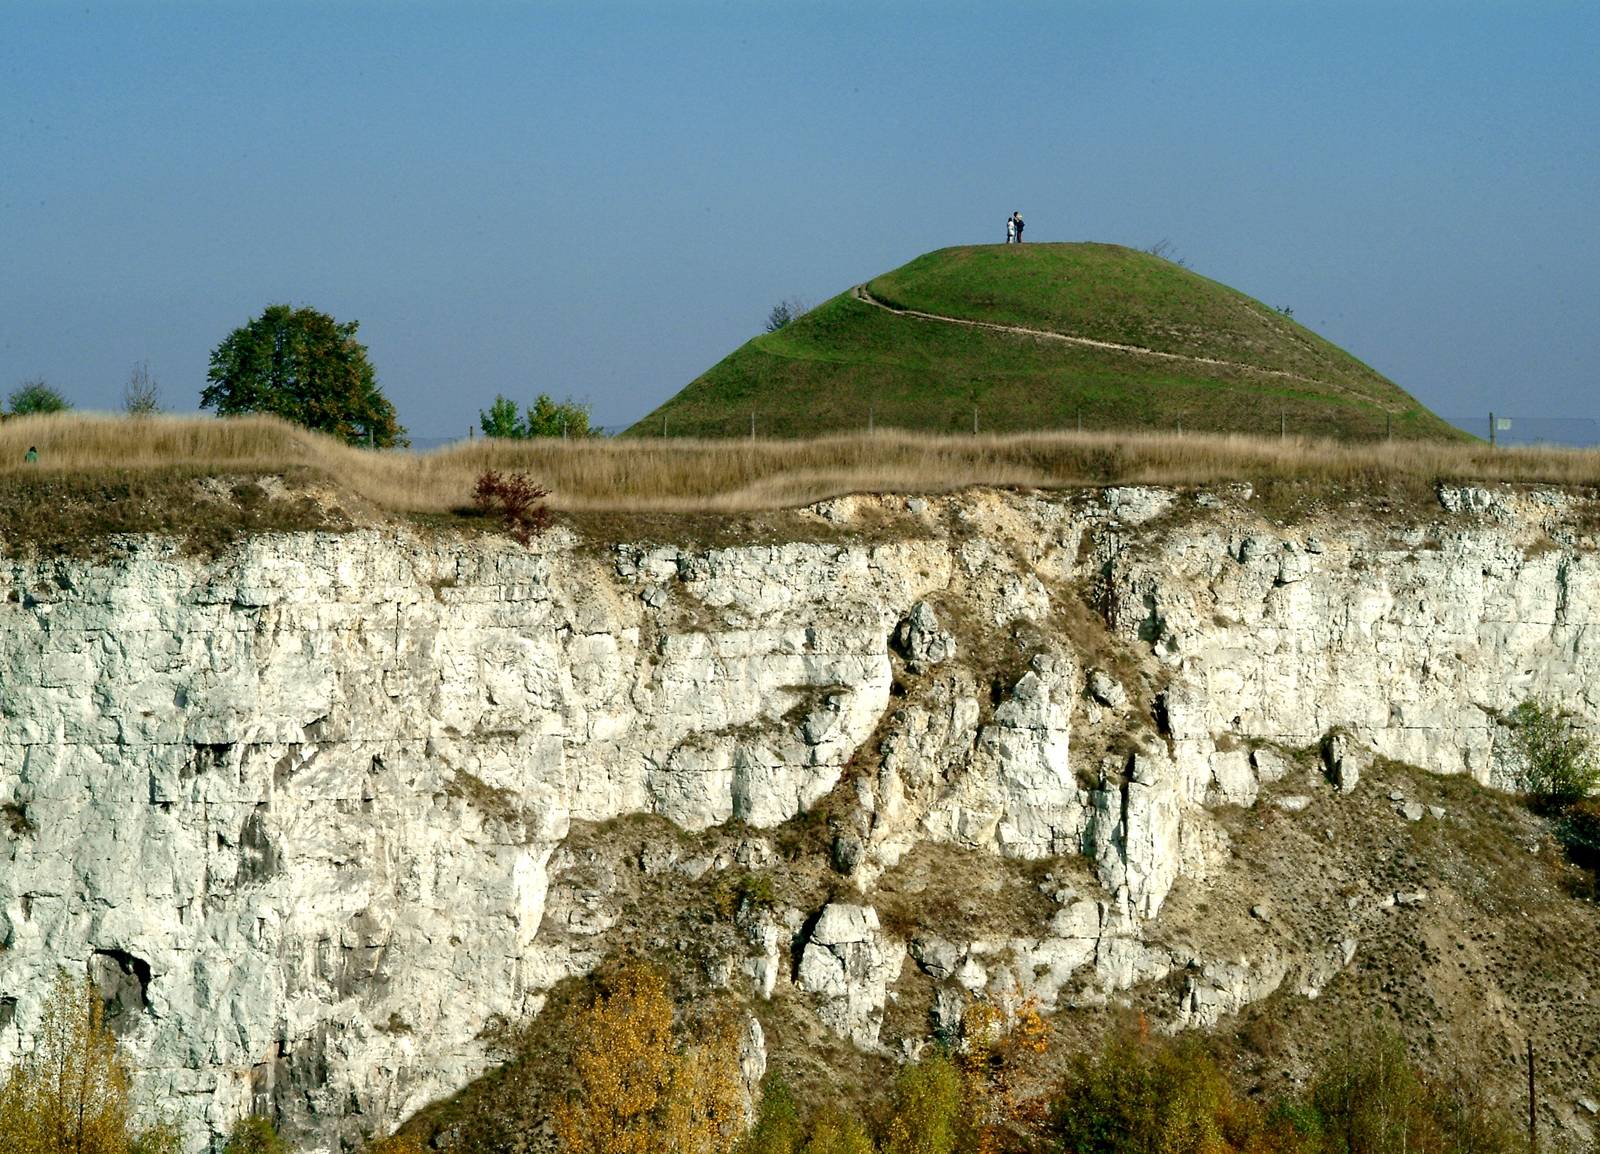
x,y
35,396
546,417
70,1094
304,366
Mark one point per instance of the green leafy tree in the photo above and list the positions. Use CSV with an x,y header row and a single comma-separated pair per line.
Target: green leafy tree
x,y
1139,1095
928,1108
1368,1097
306,367
835,1132
546,417
551,418
777,1128
35,396
254,1135
503,420
1556,759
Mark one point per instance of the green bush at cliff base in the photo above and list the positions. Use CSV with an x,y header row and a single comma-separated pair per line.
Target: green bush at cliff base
x,y
1556,759
254,1135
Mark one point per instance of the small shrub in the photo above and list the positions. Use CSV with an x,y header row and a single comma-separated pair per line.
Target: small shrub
x,y
744,891
785,313
835,1132
516,500
395,1144
1164,249
161,1138
1556,759
1578,827
928,1114
254,1135
141,396
777,1128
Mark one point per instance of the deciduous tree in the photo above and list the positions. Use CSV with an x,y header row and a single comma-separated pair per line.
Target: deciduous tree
x,y
141,396
306,367
35,396
70,1094
638,1091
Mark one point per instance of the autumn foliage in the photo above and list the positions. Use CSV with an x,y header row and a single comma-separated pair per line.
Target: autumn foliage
x,y
70,1094
640,1088
516,499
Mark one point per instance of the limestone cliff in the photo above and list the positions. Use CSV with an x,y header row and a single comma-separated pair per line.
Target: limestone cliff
x,y
301,809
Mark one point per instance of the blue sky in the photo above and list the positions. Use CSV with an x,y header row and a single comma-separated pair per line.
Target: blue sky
x,y
602,199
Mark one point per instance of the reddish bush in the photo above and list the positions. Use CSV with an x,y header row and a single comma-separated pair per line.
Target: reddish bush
x,y
516,500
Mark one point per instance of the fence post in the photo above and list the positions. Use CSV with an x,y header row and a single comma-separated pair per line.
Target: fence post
x,y
1533,1124
752,426
563,428
1491,428
1388,426
974,420
663,426
869,420
1283,426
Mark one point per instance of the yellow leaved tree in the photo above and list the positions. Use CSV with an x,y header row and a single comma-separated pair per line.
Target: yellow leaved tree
x,y
997,1054
638,1090
70,1094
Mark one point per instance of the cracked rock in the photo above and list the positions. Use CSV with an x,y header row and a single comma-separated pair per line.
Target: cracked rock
x,y
921,641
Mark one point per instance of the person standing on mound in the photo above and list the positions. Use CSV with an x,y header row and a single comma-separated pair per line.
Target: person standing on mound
x,y
1011,229
1016,220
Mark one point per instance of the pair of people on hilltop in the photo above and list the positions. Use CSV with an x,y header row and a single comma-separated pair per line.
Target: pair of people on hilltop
x,y
1014,228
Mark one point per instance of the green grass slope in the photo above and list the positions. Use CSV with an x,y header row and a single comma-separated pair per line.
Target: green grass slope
x,y
1197,355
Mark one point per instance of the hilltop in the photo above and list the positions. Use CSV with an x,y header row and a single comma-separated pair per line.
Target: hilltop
x,y
1043,336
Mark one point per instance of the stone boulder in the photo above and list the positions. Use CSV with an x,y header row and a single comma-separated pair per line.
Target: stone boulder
x,y
921,641
849,963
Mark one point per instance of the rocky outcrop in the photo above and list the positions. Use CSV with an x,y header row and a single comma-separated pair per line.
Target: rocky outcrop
x,y
300,811
849,963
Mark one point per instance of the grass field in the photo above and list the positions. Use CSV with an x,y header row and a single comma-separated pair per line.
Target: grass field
x,y
86,450
1218,361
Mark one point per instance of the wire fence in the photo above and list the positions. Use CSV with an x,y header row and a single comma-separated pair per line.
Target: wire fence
x,y
1576,432
1503,430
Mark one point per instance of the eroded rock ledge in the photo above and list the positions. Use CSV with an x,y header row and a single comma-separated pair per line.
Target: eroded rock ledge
x,y
299,810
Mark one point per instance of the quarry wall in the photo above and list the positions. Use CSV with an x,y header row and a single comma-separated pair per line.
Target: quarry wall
x,y
299,810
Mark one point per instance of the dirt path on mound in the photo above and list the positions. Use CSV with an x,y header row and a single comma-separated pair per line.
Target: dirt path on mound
x,y
861,293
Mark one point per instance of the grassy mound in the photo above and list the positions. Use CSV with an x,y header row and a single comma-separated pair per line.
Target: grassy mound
x,y
1115,339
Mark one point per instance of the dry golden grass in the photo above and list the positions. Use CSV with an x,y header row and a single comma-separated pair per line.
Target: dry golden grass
x,y
741,475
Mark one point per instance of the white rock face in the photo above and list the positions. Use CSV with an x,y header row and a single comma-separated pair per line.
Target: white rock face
x,y
298,809
849,963
312,792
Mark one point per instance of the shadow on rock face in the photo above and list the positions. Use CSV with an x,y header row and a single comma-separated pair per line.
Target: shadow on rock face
x,y
122,981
